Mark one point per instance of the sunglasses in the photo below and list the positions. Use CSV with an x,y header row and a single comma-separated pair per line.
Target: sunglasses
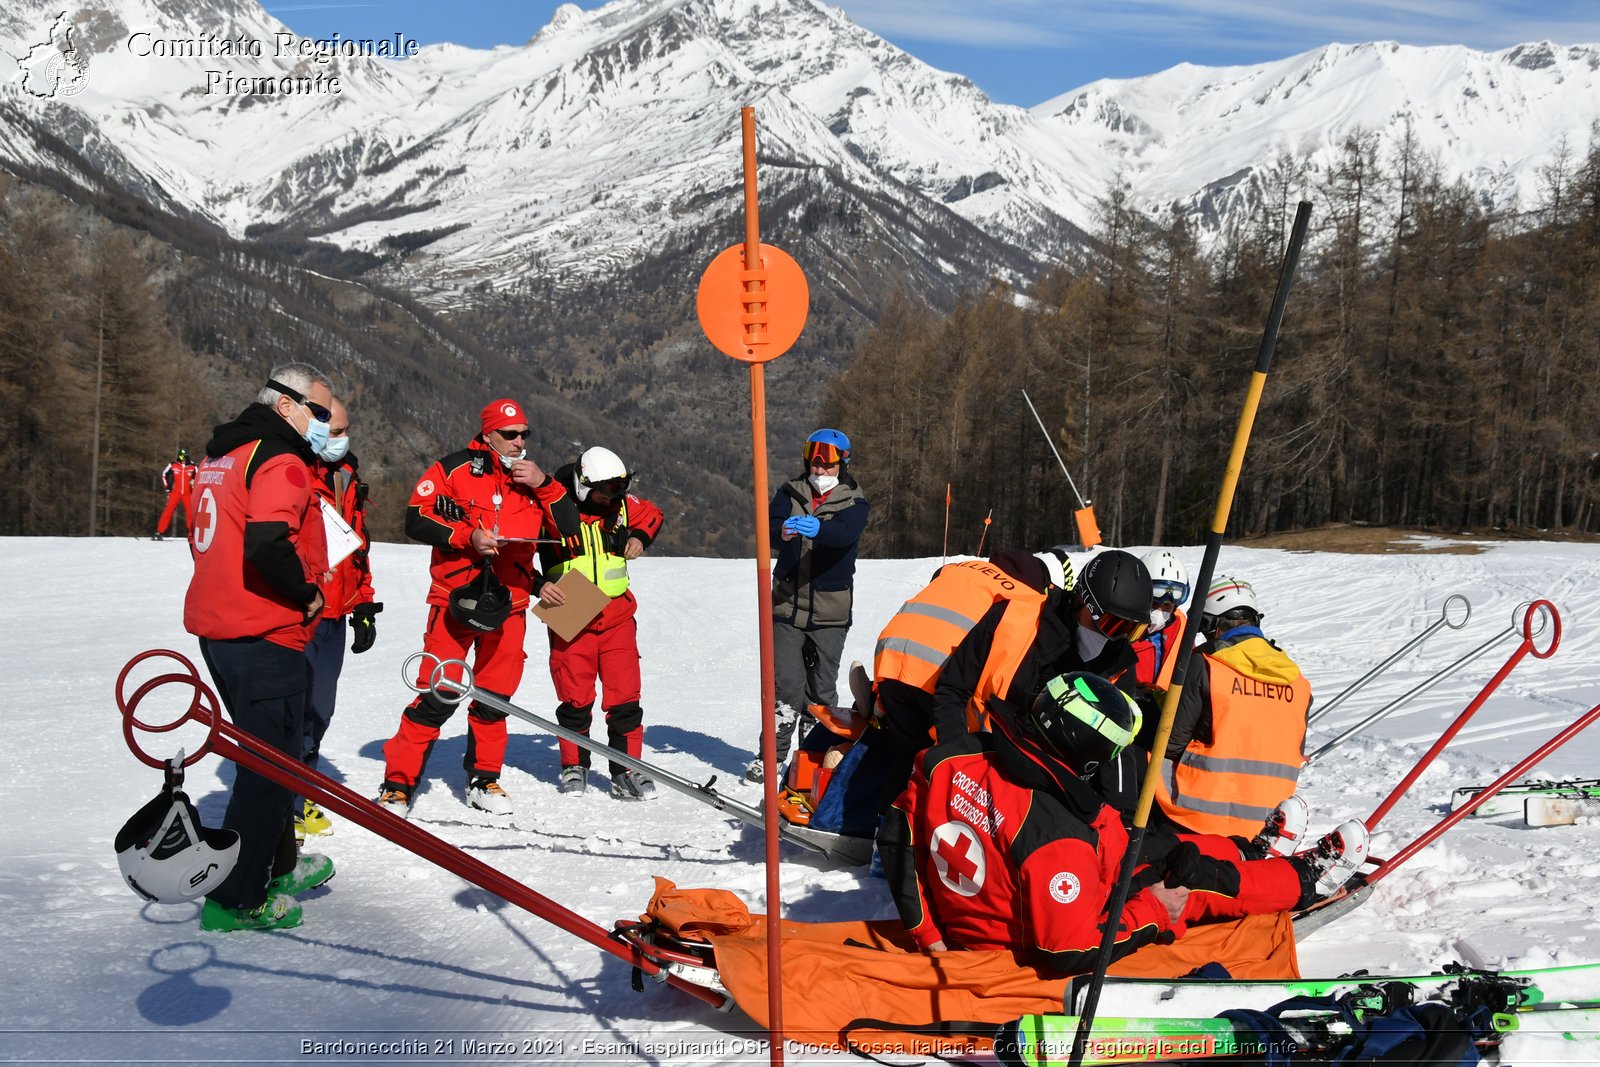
x,y
611,487
1112,625
512,435
318,412
821,450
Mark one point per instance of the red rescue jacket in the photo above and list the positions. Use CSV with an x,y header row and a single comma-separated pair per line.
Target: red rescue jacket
x,y
475,480
351,580
254,479
993,864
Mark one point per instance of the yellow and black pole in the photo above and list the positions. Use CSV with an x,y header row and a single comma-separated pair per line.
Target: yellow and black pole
x,y
1185,646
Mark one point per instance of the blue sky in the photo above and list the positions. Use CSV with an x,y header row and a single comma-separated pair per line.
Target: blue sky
x,y
1026,51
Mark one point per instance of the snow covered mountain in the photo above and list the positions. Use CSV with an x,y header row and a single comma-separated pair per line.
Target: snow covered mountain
x,y
614,132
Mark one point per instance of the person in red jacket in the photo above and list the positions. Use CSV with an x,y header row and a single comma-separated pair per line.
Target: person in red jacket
x,y
177,478
1000,842
617,527
259,549
347,594
481,509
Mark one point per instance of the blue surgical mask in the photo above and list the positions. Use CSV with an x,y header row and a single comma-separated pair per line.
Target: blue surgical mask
x,y
316,434
336,449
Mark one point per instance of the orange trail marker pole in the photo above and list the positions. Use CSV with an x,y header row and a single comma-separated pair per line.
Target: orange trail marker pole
x,y
752,304
987,519
769,739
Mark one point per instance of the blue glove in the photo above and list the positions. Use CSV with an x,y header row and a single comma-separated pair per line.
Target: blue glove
x,y
804,525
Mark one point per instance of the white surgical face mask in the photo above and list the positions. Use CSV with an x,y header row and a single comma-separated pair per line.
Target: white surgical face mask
x,y
506,461
1091,642
337,448
1159,617
824,483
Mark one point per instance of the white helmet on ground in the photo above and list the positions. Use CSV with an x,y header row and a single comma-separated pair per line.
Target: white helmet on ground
x,y
597,466
167,855
1168,580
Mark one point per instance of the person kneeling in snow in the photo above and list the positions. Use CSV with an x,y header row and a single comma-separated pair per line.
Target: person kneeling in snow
x,y
1000,842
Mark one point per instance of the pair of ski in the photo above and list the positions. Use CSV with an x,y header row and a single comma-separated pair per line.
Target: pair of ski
x,y
1154,1020
1541,803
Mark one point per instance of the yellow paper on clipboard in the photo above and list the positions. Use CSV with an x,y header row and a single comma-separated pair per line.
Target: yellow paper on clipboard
x,y
342,540
584,602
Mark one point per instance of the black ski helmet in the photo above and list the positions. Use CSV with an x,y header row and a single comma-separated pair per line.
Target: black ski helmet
x,y
1083,720
1116,583
483,603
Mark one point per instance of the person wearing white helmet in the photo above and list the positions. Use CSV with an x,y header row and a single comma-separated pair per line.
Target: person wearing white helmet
x,y
1237,739
616,528
1169,588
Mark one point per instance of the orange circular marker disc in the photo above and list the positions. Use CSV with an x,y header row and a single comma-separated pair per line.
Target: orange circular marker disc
x,y
753,327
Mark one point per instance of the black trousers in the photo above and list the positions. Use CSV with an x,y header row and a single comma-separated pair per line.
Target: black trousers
x,y
263,686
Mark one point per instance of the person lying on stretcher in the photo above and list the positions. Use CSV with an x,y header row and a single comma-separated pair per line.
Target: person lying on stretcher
x,y
999,842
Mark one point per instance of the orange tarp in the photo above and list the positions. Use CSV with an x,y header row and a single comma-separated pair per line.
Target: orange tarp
x,y
835,974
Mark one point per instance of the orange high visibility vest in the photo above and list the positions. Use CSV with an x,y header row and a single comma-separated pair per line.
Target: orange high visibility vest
x,y
1258,727
914,646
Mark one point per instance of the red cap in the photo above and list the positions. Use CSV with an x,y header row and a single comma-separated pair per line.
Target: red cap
x,y
501,413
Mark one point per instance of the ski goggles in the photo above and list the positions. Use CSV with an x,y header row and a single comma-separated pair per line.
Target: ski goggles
x,y
1113,625
610,488
825,452
1167,591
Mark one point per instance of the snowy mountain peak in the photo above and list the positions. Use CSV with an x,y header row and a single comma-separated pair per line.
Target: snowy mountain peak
x,y
479,162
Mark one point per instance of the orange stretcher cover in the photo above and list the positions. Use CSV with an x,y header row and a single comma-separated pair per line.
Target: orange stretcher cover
x,y
837,974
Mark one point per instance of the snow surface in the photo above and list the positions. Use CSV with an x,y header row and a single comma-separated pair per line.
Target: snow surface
x,y
397,949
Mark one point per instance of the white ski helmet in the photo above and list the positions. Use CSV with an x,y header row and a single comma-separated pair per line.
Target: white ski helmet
x,y
167,855
1168,580
1229,595
599,465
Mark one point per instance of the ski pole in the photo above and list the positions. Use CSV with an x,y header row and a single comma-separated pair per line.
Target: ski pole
x,y
1522,650
456,690
254,755
1401,701
1208,565
1567,733
1355,687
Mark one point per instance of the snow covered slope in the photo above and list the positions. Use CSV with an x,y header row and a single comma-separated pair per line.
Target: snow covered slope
x,y
395,949
612,132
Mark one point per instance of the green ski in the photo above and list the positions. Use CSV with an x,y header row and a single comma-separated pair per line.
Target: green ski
x,y
1529,797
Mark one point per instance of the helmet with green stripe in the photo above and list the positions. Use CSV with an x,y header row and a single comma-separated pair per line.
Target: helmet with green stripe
x,y
1084,720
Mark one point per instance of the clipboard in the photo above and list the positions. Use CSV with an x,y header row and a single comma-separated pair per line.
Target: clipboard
x,y
342,540
584,602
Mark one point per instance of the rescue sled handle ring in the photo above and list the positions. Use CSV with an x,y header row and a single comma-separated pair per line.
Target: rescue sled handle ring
x,y
442,688
1544,610
1466,610
202,707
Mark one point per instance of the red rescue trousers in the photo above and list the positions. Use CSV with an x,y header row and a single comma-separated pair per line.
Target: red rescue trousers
x,y
175,496
609,655
497,660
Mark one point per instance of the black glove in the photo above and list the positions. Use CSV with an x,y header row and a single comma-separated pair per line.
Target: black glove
x,y
448,509
364,624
